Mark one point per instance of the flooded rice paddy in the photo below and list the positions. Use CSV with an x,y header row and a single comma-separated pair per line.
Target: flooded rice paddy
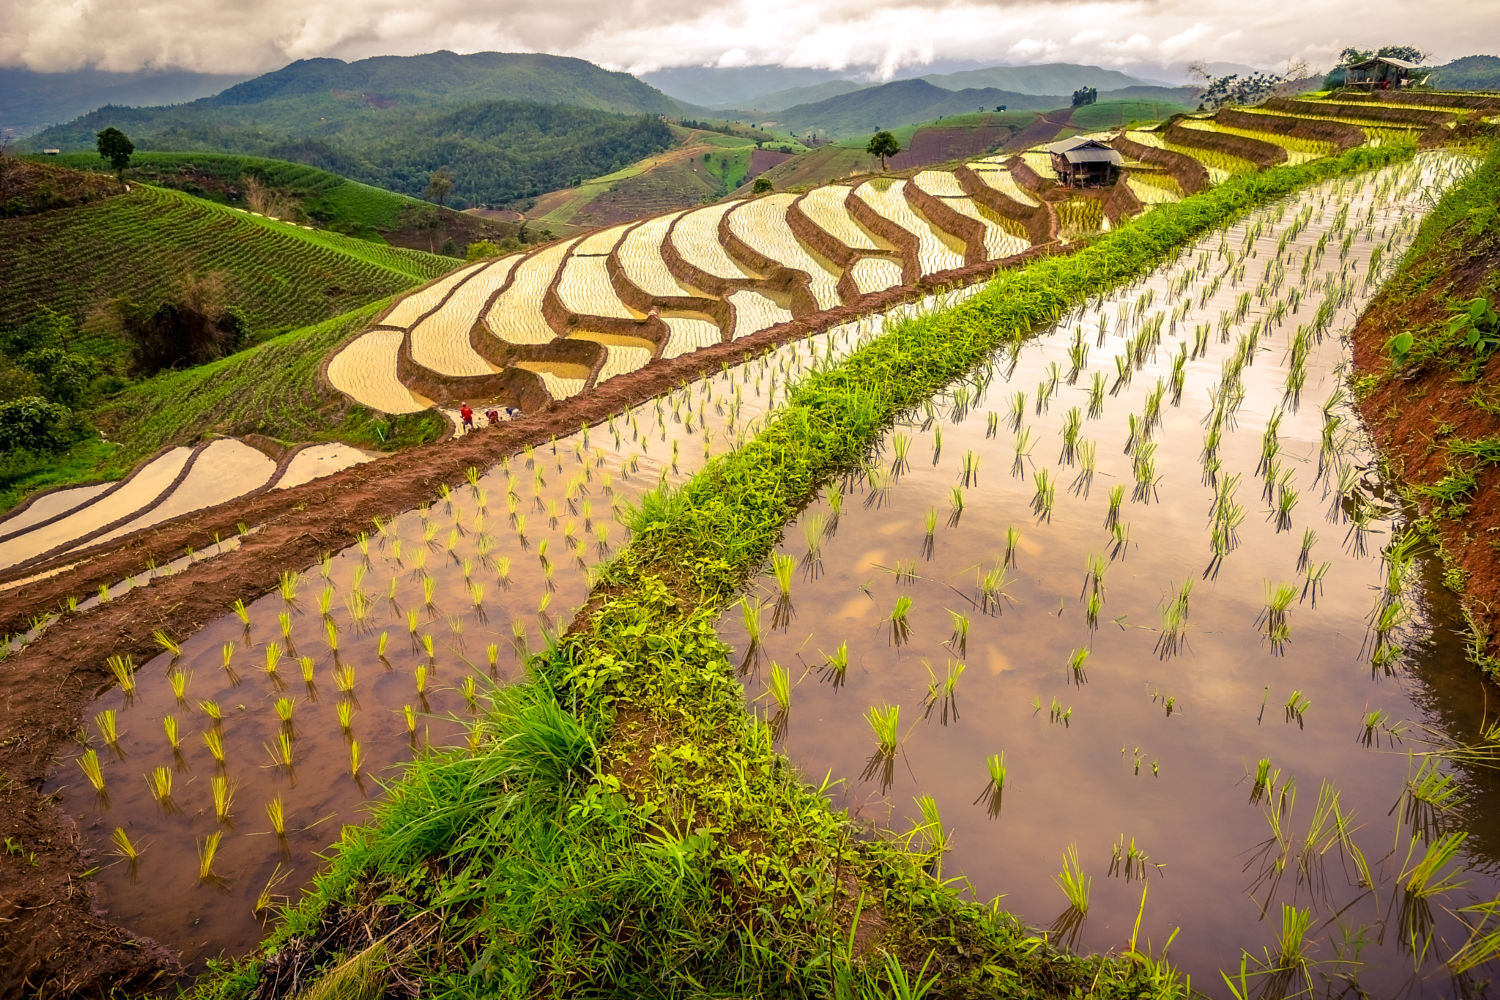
x,y
1132,610
239,756
1044,522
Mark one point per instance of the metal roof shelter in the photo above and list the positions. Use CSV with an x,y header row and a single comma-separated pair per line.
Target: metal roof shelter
x,y
1383,72
1081,162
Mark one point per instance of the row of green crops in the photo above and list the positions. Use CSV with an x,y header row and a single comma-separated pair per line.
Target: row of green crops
x,y
626,826
142,244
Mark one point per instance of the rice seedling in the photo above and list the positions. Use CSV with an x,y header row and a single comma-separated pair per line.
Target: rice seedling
x,y
178,682
88,763
901,445
105,721
900,626
958,641
410,717
1174,619
287,585
207,848
781,567
421,677
886,724
285,620
169,726
356,758
214,741
1045,496
325,600
1076,661
223,792
123,669
1309,539
1074,884
241,612
1429,876
970,473
284,707
1297,704
1116,497
123,847
780,688
167,643
343,678
160,783
1274,614
992,589
1096,395
1265,780
281,753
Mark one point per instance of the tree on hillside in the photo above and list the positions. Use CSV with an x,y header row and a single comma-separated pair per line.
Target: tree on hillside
x,y
116,147
882,144
1223,91
762,185
1085,95
439,183
1409,53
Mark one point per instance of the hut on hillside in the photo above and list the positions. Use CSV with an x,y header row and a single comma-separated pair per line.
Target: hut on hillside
x,y
1380,73
1080,162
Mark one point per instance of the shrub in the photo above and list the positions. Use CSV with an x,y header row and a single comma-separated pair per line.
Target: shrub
x,y
33,424
481,249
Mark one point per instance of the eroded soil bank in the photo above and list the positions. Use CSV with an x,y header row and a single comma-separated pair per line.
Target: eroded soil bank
x,y
1434,409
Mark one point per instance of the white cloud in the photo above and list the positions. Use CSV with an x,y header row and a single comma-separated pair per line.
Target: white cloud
x,y
257,35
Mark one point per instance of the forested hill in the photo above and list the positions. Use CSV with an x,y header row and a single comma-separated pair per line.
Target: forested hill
x,y
447,78
504,126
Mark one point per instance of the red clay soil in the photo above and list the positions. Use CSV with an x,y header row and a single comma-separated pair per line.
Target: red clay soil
x,y
1413,415
940,144
54,943
1044,129
762,160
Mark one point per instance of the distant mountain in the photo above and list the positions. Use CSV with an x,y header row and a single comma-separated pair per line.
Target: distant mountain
x,y
448,78
1467,73
30,101
506,126
1045,78
735,86
903,102
783,99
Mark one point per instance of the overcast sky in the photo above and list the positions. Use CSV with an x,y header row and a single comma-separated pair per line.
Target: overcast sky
x,y
247,36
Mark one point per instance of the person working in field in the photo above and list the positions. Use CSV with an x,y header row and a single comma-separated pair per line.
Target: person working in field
x,y
466,413
492,417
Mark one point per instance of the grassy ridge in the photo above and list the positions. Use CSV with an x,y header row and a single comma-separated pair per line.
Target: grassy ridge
x,y
143,243
269,389
623,825
326,199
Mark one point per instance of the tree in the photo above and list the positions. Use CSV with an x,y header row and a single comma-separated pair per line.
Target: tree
x,y
1223,91
33,424
882,144
762,185
439,183
116,147
1085,95
481,250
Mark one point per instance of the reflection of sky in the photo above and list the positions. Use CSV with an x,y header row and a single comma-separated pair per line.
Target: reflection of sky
x,y
1077,783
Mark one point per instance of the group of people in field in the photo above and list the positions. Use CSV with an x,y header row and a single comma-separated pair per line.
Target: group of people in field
x,y
492,416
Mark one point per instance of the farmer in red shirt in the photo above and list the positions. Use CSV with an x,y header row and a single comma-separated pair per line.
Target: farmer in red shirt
x,y
467,414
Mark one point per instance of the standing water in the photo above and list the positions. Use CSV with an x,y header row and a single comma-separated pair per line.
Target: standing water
x,y
1127,628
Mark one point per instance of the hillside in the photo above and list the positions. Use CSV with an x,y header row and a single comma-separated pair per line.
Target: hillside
x,y
300,193
144,244
496,152
506,126
904,102
791,97
1041,79
447,78
733,86
1468,73
31,101
908,102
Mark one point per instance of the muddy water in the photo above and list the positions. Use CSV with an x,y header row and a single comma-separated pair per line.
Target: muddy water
x,y
1139,745
485,565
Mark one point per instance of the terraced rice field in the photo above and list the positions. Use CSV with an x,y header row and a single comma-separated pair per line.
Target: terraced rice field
x,y
1133,601
178,481
936,251
761,224
696,278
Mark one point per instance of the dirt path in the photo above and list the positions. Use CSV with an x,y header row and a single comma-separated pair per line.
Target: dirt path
x,y
53,942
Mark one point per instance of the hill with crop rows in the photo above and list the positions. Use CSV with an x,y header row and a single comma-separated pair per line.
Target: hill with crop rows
x,y
143,243
300,193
